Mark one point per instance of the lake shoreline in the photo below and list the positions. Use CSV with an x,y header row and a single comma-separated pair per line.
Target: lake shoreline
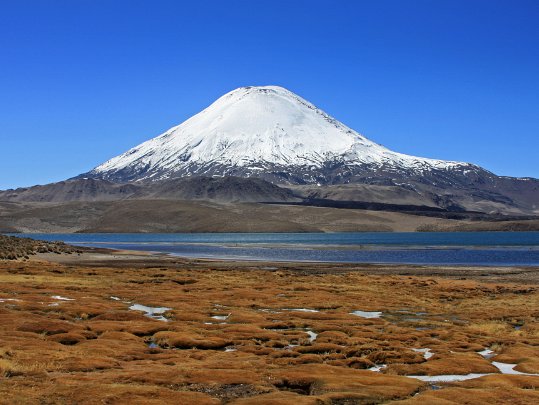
x,y
142,259
437,249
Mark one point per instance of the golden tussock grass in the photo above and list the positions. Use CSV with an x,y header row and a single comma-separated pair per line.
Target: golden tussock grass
x,y
245,335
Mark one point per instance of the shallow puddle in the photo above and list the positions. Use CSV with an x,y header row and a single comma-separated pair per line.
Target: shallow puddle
x,y
427,354
377,368
151,312
447,377
508,368
300,309
60,298
8,299
487,353
367,314
270,311
312,335
220,317
505,368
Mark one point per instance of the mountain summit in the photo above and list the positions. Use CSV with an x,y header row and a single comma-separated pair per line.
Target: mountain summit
x,y
266,132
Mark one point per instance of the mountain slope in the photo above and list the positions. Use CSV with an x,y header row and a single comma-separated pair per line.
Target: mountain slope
x,y
219,189
84,189
266,132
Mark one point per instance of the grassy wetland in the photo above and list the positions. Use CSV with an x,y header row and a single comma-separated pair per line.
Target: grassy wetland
x,y
96,327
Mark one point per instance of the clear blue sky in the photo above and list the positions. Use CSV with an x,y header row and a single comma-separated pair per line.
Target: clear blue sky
x,y
84,80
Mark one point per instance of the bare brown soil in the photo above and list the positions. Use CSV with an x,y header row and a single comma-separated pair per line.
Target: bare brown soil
x,y
169,216
238,333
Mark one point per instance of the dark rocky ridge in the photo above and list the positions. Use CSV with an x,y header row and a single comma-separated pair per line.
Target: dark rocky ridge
x,y
492,195
203,204
221,189
484,192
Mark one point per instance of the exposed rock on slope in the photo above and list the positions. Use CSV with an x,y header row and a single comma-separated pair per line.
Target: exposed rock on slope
x,y
72,190
222,189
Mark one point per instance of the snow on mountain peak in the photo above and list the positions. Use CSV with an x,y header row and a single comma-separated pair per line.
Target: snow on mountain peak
x,y
256,127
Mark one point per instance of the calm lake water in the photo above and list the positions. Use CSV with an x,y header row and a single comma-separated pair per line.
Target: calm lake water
x,y
460,248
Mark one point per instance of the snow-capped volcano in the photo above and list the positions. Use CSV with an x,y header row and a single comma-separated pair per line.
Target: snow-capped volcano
x,y
267,132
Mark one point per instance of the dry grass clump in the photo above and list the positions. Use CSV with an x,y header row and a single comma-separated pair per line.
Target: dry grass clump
x,y
67,338
86,364
189,341
46,327
10,368
491,328
13,248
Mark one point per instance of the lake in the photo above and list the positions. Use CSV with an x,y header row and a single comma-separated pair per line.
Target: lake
x,y
443,248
